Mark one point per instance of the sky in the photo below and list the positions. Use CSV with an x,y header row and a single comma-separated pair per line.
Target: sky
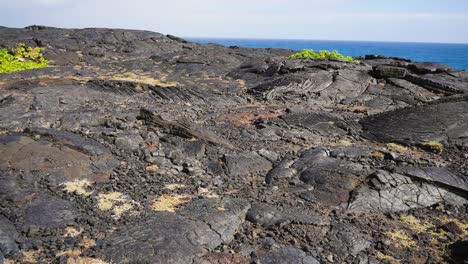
x,y
444,21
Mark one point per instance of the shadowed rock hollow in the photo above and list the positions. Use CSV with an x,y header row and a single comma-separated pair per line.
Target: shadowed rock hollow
x,y
136,147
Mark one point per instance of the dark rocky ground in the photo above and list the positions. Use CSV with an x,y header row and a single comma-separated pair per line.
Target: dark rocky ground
x,y
135,147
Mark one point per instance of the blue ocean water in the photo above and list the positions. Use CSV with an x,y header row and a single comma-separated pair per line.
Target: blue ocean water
x,y
454,55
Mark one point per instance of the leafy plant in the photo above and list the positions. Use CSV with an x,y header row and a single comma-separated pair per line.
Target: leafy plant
x,y
323,54
21,58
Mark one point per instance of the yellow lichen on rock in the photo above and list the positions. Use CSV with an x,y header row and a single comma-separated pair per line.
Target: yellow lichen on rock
x,y
85,260
462,225
401,239
415,224
152,168
31,256
378,155
115,201
69,253
207,193
133,77
397,147
174,186
168,203
345,143
87,243
79,187
241,83
381,256
72,232
119,210
434,146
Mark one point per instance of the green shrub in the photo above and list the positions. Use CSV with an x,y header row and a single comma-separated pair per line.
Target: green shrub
x,y
323,54
21,58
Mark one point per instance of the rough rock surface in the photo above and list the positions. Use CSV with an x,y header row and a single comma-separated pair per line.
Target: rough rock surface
x,y
136,147
268,215
164,238
8,237
287,256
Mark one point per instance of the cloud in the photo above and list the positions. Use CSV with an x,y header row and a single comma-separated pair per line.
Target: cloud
x,y
24,4
306,19
49,2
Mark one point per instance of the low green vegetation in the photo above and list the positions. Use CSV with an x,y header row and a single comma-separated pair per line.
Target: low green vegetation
x,y
21,58
323,54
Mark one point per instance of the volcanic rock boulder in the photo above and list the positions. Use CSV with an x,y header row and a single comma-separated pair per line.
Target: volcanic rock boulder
x,y
178,238
288,255
224,216
322,85
8,237
282,170
347,240
443,121
245,164
49,212
442,177
31,163
162,238
268,215
321,123
332,178
413,91
457,251
57,158
294,87
390,192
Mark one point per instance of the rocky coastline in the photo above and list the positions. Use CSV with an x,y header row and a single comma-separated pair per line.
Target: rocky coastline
x,y
139,147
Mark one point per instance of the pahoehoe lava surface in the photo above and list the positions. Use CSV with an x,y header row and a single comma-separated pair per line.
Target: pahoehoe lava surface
x,y
137,147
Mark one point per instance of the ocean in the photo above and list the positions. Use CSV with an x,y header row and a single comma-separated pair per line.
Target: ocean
x,y
454,55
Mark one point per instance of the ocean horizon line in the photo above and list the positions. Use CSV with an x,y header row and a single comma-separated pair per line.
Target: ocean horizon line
x,y
321,40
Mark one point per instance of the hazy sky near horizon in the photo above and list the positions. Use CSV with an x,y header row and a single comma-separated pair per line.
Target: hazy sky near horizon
x,y
375,20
